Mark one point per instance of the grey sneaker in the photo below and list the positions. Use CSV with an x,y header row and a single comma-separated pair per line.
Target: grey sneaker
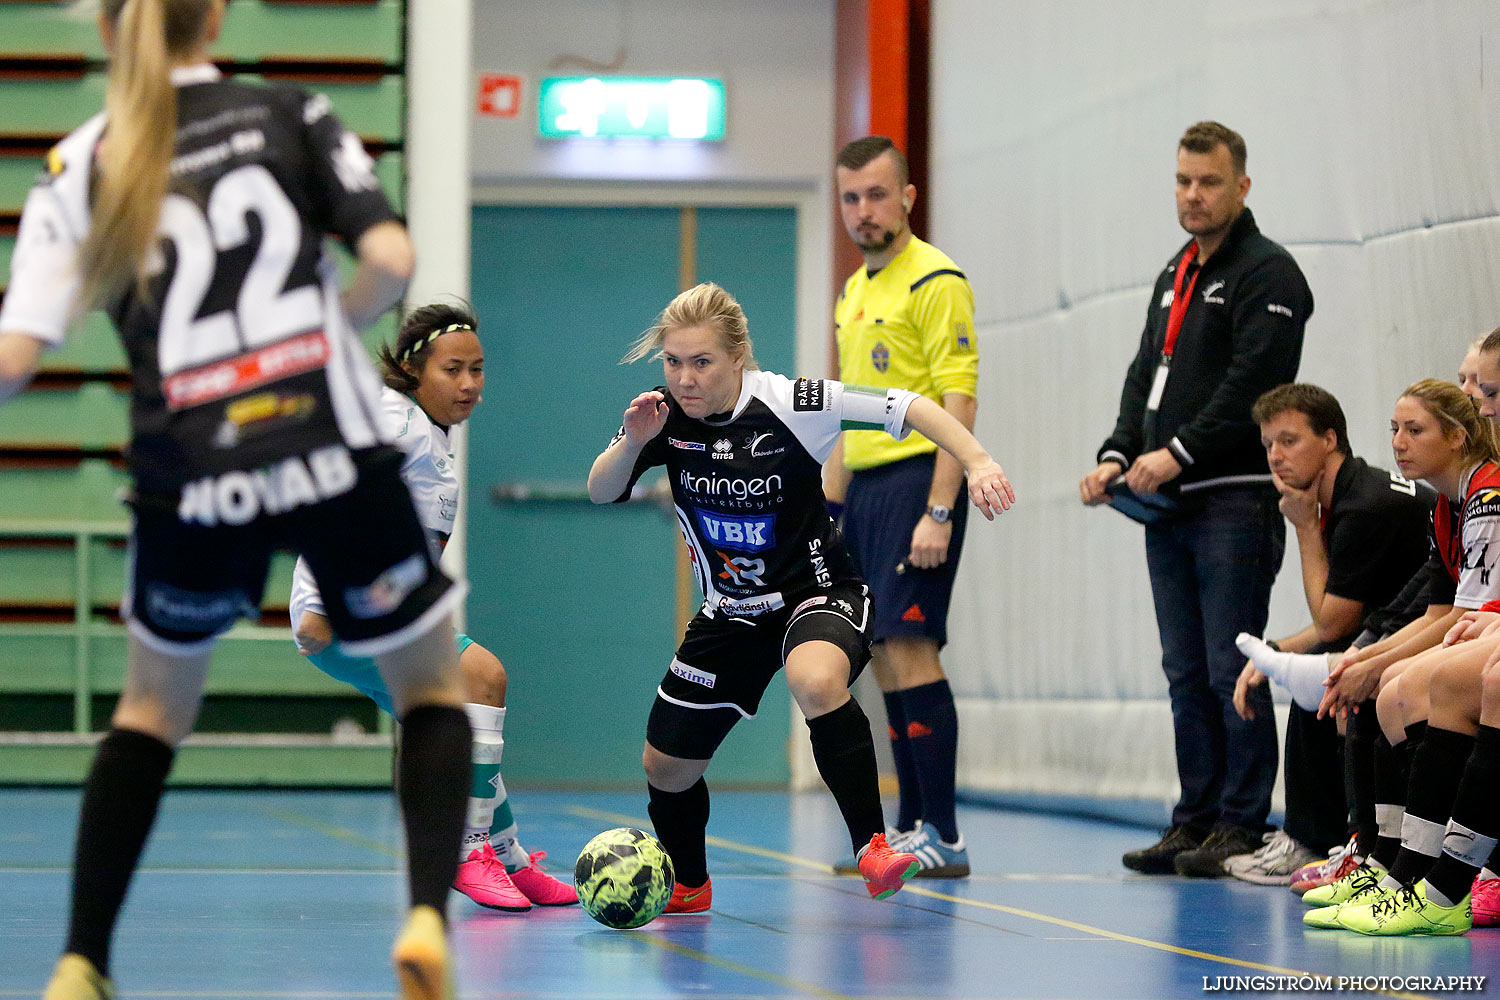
x,y
938,858
1273,863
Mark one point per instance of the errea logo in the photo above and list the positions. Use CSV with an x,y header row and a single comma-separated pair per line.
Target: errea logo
x,y
723,449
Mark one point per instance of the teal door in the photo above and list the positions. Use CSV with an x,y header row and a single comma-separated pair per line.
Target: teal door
x,y
581,602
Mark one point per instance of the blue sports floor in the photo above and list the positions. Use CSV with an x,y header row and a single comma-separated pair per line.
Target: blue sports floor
x,y
297,896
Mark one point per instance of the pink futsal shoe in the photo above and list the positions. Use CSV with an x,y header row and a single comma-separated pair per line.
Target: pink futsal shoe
x,y
884,869
484,880
1484,899
1340,862
539,887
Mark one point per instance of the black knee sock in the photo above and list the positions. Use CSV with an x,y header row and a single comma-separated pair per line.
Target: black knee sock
x,y
1437,767
845,755
681,821
932,724
1359,768
434,793
910,808
119,806
1475,825
1392,775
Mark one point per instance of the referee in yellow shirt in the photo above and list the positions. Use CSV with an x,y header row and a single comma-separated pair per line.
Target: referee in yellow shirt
x,y
906,319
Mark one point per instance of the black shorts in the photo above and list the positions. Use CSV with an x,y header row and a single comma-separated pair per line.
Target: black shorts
x,y
883,507
724,665
199,558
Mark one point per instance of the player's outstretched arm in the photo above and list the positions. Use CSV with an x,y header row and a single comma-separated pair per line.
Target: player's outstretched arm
x,y
644,418
19,356
990,491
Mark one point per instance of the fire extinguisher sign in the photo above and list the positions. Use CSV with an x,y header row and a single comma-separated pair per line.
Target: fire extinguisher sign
x,y
500,95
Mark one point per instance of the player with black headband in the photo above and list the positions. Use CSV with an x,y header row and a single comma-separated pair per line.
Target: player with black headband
x,y
194,210
434,378
744,449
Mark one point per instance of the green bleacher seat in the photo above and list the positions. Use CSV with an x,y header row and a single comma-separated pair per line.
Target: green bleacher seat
x,y
92,348
391,169
254,30
249,660
48,107
58,30
88,491
17,173
95,416
36,575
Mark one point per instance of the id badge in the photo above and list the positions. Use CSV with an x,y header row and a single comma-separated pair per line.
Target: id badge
x,y
1158,386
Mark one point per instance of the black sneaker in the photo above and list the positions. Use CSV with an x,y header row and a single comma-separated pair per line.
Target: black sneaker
x,y
1157,859
1224,841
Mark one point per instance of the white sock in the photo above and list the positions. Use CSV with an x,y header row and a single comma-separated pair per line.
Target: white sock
x,y
487,798
1302,674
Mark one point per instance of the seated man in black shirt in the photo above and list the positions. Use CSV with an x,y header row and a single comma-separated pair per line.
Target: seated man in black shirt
x,y
1361,534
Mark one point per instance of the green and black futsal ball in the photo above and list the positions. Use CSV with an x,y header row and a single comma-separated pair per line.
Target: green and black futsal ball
x,y
623,877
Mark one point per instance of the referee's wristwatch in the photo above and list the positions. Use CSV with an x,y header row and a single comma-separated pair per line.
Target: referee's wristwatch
x,y
939,513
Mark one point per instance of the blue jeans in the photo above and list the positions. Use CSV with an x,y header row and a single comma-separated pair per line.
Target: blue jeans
x,y
1211,574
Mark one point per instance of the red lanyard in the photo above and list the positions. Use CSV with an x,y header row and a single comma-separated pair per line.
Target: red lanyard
x,y
1180,299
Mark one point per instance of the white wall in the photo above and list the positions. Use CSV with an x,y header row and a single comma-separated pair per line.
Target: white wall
x,y
1373,142
774,56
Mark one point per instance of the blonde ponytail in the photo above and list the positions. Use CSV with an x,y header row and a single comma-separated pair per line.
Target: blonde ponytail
x,y
136,155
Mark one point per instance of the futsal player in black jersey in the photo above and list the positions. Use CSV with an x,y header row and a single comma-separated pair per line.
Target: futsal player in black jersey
x,y
744,451
194,209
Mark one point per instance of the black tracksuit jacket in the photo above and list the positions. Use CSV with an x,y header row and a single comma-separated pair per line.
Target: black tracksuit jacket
x,y
1241,335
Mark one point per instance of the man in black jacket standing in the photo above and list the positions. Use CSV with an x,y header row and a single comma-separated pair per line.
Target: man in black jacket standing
x,y
1224,325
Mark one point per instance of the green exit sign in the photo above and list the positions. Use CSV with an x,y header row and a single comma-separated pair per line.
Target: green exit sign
x,y
638,106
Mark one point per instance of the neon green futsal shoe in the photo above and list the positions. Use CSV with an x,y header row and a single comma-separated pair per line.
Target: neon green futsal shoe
x,y
1366,892
1340,890
75,978
1407,911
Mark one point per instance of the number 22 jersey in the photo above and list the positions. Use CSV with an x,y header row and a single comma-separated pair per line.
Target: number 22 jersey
x,y
748,486
239,350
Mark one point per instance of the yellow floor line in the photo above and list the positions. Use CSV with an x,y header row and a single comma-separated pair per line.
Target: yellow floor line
x,y
798,987
1013,911
336,832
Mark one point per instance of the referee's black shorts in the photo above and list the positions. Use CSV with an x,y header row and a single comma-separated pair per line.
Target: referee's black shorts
x,y
881,510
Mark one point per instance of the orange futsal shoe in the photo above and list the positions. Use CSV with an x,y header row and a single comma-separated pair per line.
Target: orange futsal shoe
x,y
686,899
884,869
